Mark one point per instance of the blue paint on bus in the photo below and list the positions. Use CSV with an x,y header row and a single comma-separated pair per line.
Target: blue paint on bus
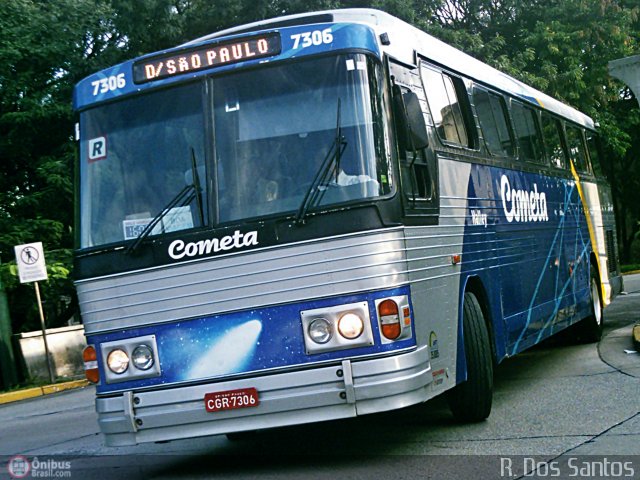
x,y
541,258
103,86
241,342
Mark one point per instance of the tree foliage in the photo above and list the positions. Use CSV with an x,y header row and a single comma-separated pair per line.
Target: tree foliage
x,y
558,46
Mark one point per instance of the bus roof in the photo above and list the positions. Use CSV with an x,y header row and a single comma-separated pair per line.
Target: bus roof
x,y
402,34
405,41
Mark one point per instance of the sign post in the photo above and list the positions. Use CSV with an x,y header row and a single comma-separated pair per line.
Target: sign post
x,y
32,268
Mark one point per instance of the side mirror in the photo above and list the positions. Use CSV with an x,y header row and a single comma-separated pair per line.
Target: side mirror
x,y
412,130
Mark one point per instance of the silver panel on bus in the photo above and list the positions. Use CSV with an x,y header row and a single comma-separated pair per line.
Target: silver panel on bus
x,y
315,269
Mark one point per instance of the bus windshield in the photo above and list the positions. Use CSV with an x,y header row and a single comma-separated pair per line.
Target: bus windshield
x,y
274,127
271,129
136,155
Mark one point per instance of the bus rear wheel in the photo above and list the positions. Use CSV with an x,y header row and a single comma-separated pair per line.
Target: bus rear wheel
x,y
590,329
471,400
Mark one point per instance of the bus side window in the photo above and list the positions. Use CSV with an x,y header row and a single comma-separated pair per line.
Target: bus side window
x,y
417,181
593,147
525,123
492,115
551,131
576,146
444,104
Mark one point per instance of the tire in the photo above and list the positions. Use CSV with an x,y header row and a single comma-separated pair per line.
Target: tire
x,y
471,400
590,329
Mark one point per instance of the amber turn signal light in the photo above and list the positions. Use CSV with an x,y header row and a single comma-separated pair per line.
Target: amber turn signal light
x,y
90,359
389,319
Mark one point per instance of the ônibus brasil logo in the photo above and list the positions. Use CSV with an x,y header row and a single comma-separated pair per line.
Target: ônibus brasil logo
x,y
18,466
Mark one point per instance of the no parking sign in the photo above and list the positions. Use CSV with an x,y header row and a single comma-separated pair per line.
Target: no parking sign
x,y
31,264
32,268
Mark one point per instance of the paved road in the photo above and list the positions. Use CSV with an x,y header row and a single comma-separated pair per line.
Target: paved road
x,y
556,401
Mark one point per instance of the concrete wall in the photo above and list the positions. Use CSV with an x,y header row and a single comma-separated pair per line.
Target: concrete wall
x,y
65,347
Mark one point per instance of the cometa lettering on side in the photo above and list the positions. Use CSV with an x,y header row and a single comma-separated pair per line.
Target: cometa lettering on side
x,y
523,206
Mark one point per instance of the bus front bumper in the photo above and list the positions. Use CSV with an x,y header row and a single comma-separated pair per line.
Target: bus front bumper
x,y
323,393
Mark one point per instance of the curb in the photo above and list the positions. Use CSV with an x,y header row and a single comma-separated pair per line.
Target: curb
x,y
614,349
40,391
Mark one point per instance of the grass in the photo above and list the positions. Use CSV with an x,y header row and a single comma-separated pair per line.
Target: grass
x,y
630,268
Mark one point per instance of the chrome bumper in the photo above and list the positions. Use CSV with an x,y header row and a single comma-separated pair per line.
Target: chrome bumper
x,y
327,393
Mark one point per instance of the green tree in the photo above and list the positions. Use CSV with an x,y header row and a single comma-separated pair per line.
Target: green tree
x,y
45,48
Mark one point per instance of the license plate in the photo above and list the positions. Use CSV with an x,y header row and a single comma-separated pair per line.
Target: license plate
x,y
231,400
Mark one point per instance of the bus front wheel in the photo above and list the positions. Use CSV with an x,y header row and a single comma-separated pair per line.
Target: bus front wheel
x,y
470,401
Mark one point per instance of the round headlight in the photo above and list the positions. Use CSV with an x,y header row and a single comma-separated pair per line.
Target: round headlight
x,y
118,361
320,330
350,326
142,357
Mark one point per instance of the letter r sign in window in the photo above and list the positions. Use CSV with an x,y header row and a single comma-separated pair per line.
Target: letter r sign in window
x,y
97,149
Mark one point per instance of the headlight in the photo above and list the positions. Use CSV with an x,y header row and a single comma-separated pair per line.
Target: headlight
x,y
118,361
337,327
129,359
320,330
350,326
142,357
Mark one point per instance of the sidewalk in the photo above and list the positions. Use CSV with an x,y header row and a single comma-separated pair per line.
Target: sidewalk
x,y
40,391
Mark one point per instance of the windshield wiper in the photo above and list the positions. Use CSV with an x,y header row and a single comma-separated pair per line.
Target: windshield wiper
x,y
182,199
195,182
314,193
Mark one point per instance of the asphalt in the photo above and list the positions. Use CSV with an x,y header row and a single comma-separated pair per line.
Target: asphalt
x,y
617,350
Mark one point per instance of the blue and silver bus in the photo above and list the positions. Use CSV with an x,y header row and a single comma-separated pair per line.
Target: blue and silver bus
x,y
321,216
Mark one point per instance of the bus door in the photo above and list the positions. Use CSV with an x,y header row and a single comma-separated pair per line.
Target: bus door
x,y
418,165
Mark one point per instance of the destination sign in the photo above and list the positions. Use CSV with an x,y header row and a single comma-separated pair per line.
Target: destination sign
x,y
206,56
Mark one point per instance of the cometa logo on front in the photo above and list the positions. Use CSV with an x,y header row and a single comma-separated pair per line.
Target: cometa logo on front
x,y
179,249
523,206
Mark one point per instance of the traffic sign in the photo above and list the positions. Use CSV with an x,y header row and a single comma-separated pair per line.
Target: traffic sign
x,y
30,261
32,268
